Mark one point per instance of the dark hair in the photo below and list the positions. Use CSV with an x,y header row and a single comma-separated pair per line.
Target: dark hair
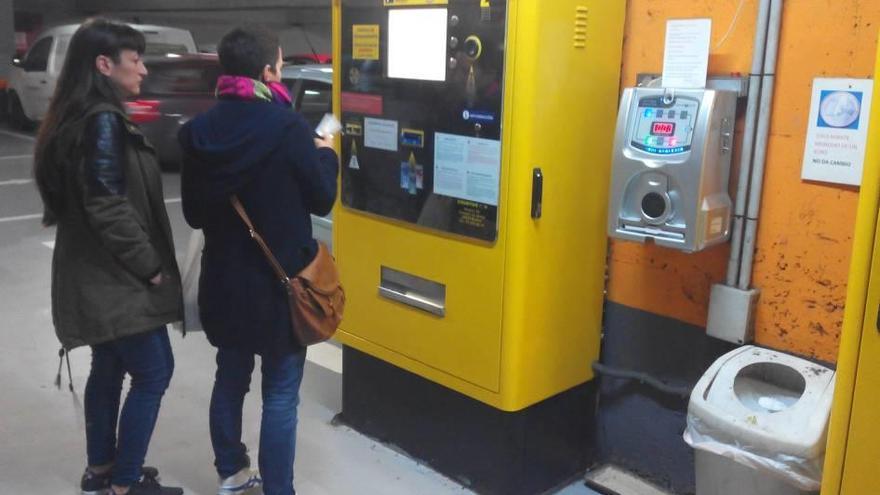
x,y
246,51
80,86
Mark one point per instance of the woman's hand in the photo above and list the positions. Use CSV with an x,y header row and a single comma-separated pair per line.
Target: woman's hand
x,y
324,142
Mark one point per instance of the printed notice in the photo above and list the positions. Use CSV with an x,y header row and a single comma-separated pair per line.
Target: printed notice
x,y
380,134
467,168
838,131
365,41
686,56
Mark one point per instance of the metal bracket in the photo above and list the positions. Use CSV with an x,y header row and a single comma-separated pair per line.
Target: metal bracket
x,y
737,84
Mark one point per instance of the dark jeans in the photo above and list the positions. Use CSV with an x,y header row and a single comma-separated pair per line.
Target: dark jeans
x,y
282,376
148,359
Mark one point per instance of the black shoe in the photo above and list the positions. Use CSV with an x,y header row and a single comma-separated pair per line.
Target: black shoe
x,y
150,486
99,484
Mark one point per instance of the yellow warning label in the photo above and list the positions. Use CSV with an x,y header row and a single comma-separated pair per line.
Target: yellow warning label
x,y
365,41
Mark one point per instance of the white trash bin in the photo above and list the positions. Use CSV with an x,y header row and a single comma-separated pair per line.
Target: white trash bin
x,y
757,420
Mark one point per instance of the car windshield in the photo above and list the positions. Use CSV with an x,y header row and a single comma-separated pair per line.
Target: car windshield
x,y
186,77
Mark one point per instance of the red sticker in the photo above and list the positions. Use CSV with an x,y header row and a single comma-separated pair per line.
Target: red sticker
x,y
361,103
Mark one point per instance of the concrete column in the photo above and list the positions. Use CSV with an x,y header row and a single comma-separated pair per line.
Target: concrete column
x,y
7,37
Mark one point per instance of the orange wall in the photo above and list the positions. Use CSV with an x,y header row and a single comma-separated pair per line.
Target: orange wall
x,y
805,232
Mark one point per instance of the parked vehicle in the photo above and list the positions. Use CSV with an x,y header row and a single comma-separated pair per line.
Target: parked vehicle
x,y
177,88
311,87
33,78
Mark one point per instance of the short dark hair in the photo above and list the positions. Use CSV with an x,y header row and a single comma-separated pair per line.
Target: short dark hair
x,y
245,51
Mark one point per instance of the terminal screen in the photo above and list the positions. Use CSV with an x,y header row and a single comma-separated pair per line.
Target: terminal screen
x,y
663,128
417,44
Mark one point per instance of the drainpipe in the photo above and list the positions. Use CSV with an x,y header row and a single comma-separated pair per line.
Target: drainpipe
x,y
748,143
732,305
763,134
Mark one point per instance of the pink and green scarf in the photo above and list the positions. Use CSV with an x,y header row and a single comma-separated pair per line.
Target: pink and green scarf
x,y
247,89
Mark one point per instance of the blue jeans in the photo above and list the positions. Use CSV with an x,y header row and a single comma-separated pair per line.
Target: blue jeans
x,y
148,359
282,376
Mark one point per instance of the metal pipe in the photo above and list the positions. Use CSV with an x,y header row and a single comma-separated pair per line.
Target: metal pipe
x,y
748,143
641,377
762,139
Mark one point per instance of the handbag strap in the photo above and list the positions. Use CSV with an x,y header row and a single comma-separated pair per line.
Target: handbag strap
x,y
279,271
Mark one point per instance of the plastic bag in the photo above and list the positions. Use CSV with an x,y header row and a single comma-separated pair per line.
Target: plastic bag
x,y
190,271
803,473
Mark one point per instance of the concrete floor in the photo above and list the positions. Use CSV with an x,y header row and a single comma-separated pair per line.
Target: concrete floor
x,y
42,440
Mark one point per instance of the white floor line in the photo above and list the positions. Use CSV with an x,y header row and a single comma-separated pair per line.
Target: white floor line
x,y
326,355
49,244
20,136
40,215
21,217
15,182
15,157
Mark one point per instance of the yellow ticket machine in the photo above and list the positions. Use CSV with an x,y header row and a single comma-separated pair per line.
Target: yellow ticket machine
x,y
852,462
471,233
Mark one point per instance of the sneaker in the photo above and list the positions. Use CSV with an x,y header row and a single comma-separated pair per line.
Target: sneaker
x,y
240,482
99,484
150,486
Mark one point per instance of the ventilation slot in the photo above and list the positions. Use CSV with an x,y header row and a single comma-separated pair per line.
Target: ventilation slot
x,y
581,23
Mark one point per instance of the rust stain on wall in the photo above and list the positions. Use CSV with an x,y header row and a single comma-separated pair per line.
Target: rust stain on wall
x,y
805,232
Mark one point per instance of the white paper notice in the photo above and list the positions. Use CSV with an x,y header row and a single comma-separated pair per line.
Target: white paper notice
x,y
838,130
380,134
686,57
467,168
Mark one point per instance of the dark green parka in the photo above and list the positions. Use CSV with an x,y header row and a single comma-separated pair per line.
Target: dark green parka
x,y
113,234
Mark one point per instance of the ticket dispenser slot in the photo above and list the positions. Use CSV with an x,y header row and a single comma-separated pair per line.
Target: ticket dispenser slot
x,y
672,157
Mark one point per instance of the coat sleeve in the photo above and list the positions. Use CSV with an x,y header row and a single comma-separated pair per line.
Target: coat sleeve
x,y
193,210
316,169
107,208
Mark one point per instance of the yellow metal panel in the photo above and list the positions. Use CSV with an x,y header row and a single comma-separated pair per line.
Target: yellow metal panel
x,y
523,314
564,109
851,460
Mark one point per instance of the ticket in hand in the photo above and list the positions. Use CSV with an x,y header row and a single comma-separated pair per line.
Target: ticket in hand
x,y
328,126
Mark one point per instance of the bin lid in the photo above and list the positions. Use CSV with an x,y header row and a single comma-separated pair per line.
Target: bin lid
x,y
766,400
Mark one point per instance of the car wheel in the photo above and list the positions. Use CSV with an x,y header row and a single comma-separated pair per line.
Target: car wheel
x,y
17,116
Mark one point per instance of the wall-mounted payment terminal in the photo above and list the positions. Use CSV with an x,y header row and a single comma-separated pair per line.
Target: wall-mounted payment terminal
x,y
672,154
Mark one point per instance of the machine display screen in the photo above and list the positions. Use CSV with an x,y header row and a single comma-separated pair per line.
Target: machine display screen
x,y
421,94
417,44
663,128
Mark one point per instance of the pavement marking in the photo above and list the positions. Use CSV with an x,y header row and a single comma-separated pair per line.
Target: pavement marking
x,y
15,157
49,244
40,215
21,217
20,136
326,355
15,182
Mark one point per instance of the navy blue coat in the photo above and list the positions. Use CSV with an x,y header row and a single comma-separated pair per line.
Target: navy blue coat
x,y
266,155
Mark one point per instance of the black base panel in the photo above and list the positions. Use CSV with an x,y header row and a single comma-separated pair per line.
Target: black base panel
x,y
490,451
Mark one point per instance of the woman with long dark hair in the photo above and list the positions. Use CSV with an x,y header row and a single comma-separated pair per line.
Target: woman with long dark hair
x,y
115,281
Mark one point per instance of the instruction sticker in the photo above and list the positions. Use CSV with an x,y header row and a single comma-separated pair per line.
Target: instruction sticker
x,y
838,131
467,168
380,134
686,54
365,41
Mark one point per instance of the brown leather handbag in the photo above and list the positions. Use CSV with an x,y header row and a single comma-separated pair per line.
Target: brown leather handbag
x,y
315,295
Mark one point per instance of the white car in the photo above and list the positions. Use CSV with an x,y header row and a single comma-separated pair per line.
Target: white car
x,y
34,77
